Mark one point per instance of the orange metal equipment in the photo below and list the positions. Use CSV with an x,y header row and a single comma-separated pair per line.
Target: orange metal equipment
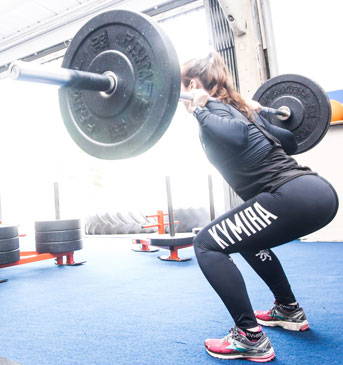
x,y
174,254
160,224
144,246
27,257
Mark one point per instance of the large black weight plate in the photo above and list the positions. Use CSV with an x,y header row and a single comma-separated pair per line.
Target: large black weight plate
x,y
58,247
8,231
180,239
174,91
9,244
57,225
56,236
9,257
309,105
130,121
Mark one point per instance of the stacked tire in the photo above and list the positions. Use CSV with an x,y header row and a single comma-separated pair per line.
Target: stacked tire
x,y
117,223
9,245
58,236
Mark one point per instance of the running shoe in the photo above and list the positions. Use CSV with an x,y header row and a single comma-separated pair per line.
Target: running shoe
x,y
294,320
237,346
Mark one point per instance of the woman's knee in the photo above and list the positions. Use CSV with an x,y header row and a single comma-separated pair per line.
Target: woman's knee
x,y
197,242
201,242
201,239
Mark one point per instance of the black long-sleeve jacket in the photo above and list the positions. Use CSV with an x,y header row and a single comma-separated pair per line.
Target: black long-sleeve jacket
x,y
251,157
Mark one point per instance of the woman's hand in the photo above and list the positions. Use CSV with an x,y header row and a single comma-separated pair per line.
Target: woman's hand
x,y
254,105
200,98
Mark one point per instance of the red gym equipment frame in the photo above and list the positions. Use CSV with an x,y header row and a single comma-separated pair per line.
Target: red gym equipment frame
x,y
174,254
27,257
160,224
145,245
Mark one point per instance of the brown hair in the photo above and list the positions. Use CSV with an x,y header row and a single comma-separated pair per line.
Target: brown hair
x,y
216,80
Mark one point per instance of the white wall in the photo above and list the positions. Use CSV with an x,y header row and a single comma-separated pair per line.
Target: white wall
x,y
308,41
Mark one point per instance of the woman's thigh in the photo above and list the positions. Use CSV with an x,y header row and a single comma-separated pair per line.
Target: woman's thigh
x,y
299,207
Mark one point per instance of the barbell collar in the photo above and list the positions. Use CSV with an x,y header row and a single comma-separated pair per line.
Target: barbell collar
x,y
282,113
82,80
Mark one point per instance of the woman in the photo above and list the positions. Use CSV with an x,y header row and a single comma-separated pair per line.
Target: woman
x,y
283,201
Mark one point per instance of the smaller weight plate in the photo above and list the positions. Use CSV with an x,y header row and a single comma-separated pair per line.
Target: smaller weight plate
x,y
310,107
8,231
9,244
57,225
57,236
59,247
9,257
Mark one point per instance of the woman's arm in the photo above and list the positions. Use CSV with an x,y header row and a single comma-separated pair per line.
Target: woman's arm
x,y
286,137
224,126
218,121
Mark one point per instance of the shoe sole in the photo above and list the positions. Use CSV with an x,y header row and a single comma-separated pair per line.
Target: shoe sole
x,y
268,356
291,326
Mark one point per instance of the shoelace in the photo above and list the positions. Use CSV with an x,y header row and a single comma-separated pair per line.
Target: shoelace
x,y
233,334
275,308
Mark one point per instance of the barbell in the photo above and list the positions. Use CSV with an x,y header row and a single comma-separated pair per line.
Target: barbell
x,y
83,80
120,85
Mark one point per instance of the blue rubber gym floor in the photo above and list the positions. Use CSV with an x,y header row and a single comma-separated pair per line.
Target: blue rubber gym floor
x,y
129,308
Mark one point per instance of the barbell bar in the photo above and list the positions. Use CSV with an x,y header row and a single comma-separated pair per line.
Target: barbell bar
x,y
131,62
105,83
61,77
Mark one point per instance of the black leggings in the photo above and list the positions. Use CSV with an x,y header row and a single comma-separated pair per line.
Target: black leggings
x,y
299,207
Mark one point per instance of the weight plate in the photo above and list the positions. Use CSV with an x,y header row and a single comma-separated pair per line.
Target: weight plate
x,y
179,239
9,257
58,247
309,105
174,92
8,231
57,225
9,244
133,118
56,236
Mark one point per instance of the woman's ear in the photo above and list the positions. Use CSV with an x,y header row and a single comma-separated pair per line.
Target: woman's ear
x,y
192,84
195,84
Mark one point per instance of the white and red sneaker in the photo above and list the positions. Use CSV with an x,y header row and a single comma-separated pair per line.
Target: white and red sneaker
x,y
237,346
294,320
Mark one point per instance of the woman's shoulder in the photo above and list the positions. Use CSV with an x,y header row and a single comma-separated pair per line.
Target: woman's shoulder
x,y
216,105
223,109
